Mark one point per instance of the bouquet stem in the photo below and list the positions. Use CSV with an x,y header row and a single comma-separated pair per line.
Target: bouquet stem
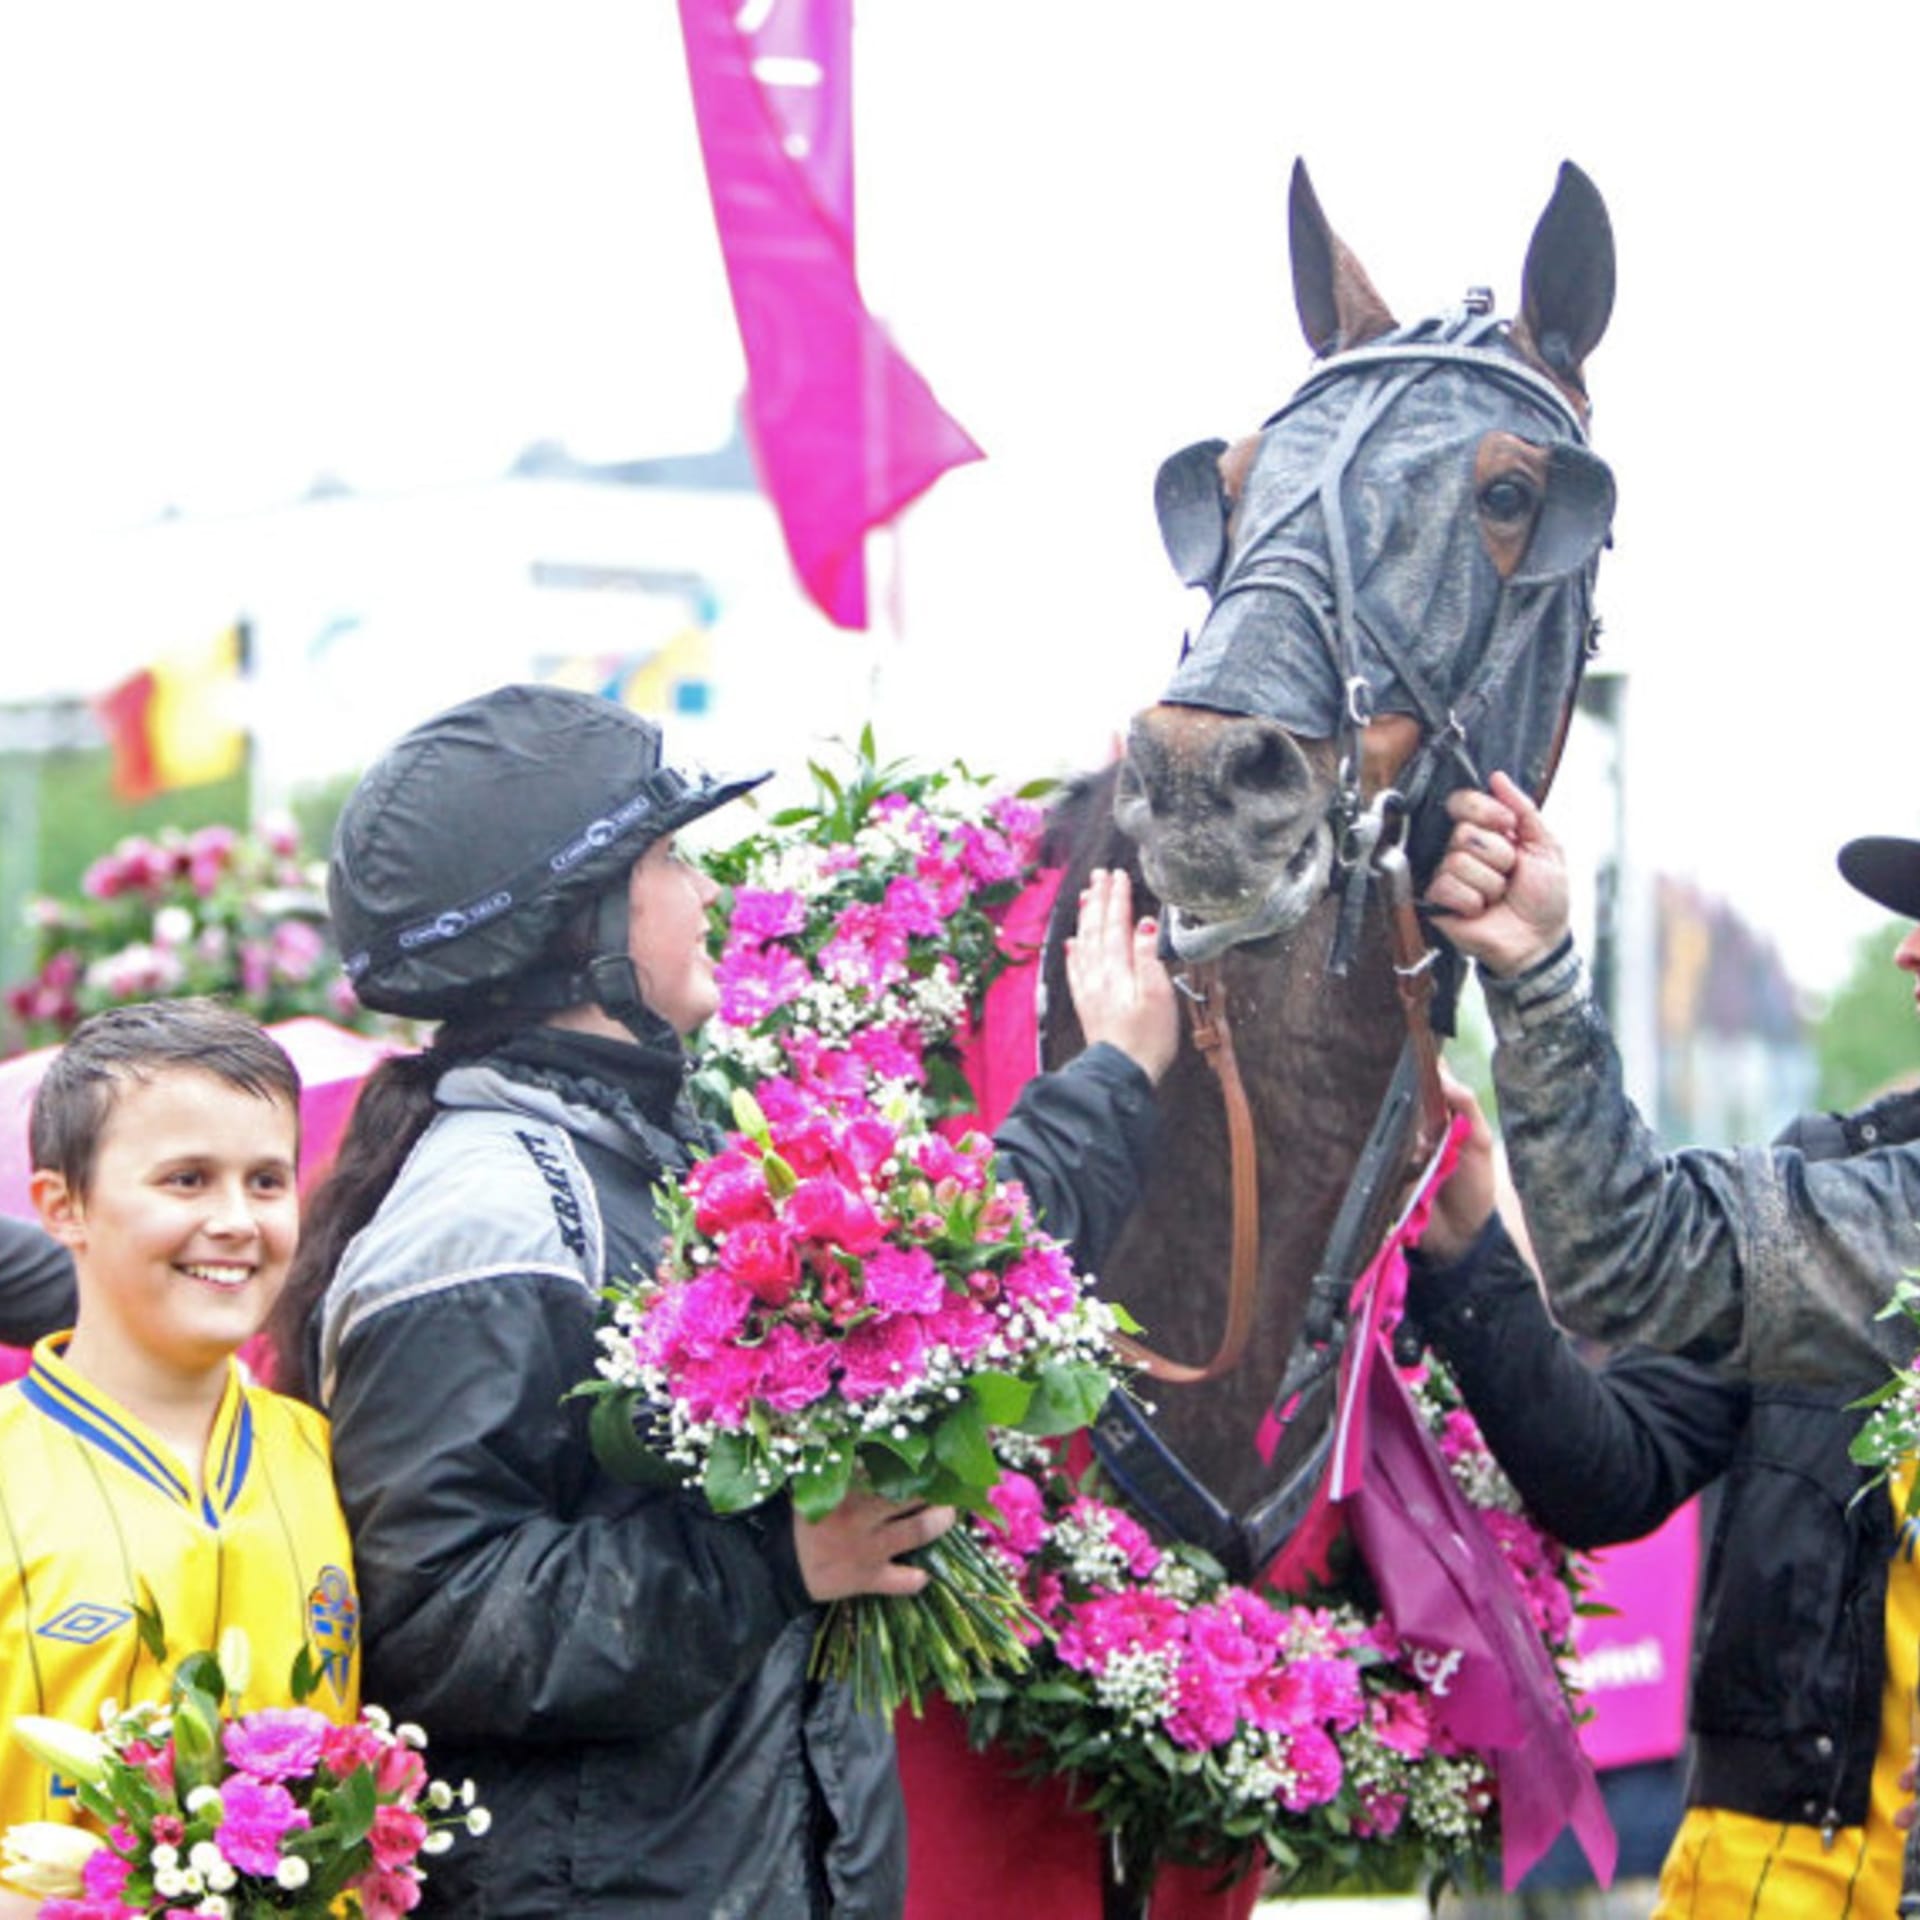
x,y
968,1620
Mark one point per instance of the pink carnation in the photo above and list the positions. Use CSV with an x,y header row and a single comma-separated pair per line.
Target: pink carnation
x,y
903,1280
833,1214
255,1816
881,1356
345,1748
890,1053
277,1743
762,1257
1315,1763
728,1190
910,906
762,915
755,981
958,1324
1022,1508
1042,1277
1400,1721
797,1368
399,1774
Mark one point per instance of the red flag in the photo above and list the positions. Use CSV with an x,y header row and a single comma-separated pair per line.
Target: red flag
x,y
123,716
845,432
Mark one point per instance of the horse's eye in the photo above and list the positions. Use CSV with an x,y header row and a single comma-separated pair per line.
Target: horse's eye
x,y
1506,500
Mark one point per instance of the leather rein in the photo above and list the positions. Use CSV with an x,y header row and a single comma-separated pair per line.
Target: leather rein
x,y
1203,989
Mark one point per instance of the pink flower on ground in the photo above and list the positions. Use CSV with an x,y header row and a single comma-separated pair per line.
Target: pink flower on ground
x,y
903,1280
384,1894
255,1817
396,1836
278,1743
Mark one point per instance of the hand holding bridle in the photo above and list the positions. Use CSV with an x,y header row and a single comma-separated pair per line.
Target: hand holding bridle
x,y
1500,891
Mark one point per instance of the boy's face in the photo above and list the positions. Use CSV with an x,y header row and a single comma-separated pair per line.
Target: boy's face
x,y
182,1238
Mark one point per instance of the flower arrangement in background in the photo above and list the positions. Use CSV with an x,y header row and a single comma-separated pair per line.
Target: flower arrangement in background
x,y
1889,1437
860,932
846,1301
210,1810
215,911
1212,1723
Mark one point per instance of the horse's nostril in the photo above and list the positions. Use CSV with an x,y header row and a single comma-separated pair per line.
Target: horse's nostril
x,y
1267,768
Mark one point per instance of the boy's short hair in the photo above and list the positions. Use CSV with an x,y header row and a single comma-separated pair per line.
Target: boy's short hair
x,y
80,1086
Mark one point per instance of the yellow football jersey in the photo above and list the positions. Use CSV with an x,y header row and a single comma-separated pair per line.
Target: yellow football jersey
x,y
98,1516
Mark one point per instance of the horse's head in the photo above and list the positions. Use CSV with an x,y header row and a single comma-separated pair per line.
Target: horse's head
x,y
1400,565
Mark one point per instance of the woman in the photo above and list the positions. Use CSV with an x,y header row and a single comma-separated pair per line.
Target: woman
x,y
623,1673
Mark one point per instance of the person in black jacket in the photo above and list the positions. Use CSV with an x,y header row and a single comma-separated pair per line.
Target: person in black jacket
x,y
1791,1703
37,1293
623,1673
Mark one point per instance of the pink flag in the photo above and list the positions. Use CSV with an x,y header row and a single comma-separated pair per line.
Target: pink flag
x,y
844,431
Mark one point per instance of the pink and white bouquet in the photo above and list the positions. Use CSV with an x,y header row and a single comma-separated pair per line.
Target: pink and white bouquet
x,y
860,931
207,1809
845,1300
1219,1724
214,911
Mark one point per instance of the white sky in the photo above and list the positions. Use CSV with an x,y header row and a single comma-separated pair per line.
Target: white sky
x,y
244,244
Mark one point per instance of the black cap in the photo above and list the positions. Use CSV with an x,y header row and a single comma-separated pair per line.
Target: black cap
x,y
1887,871
468,845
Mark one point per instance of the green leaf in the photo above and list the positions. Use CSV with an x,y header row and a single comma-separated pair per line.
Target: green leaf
x,y
1069,1398
151,1625
1123,1319
618,1447
732,1481
304,1682
891,1473
201,1672
960,1444
196,1739
822,1484
354,1807
1003,1398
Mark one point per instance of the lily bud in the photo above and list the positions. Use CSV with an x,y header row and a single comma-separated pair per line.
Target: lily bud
x,y
43,1858
65,1748
236,1661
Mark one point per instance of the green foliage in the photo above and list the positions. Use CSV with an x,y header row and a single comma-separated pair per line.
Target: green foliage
x,y
1867,1037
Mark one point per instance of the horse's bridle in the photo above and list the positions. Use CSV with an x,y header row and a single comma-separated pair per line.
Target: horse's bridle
x,y
1370,848
1461,339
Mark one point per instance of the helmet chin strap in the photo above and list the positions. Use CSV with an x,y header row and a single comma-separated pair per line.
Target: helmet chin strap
x,y
610,973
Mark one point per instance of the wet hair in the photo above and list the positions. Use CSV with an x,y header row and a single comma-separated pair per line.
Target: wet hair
x,y
137,1044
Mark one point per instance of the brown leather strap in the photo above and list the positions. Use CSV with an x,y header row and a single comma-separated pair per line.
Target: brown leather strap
x,y
1413,964
1206,998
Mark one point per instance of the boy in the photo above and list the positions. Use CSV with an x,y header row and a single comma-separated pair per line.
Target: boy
x,y
138,1468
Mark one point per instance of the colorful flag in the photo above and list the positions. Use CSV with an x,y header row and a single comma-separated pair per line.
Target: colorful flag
x,y
178,722
845,432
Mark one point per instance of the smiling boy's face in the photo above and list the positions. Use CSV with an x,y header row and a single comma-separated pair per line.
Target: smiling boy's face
x,y
182,1237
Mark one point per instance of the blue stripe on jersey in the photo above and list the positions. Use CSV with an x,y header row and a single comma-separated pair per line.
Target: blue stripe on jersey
x,y
240,1451
43,1390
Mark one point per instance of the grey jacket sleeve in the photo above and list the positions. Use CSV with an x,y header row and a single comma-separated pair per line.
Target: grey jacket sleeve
x,y
37,1294
1760,1258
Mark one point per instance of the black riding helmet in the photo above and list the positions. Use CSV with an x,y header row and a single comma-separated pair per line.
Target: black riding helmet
x,y
476,838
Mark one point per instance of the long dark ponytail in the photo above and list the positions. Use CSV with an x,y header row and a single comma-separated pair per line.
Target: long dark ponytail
x,y
394,1107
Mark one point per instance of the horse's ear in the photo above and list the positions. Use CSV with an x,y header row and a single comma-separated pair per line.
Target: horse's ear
x,y
1566,292
1336,301
1190,500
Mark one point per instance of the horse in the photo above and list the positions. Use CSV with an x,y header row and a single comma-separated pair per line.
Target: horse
x,y
1400,566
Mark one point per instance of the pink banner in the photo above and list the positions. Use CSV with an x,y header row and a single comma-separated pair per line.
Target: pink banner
x,y
845,432
1634,1660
